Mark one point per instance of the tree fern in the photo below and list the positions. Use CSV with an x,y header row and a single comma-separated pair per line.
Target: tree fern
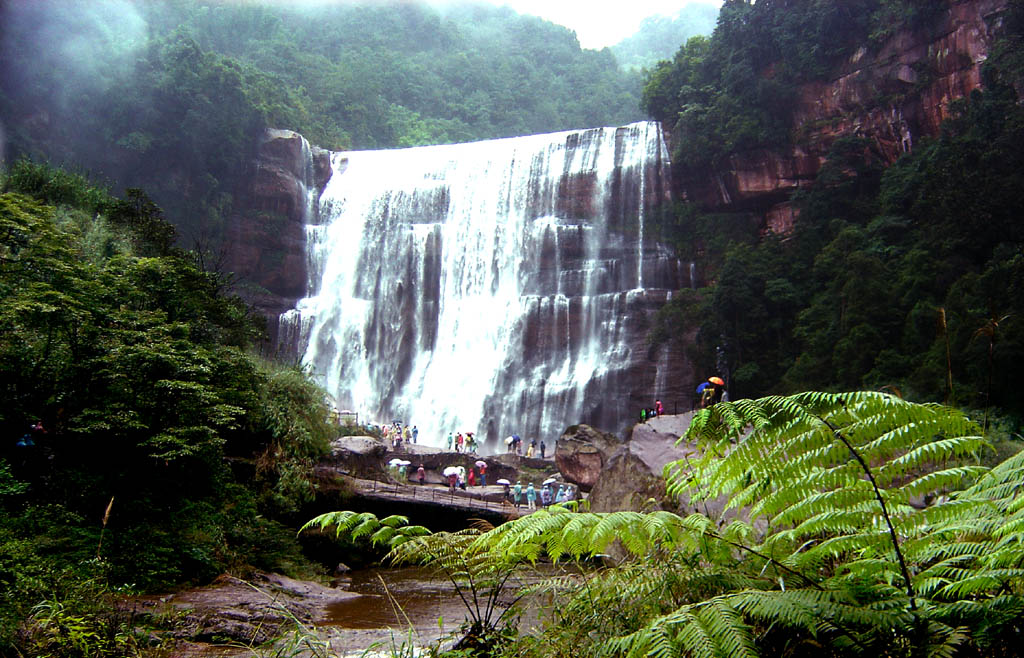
x,y
826,540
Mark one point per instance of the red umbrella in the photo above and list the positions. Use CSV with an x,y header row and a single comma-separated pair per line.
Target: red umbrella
x,y
716,380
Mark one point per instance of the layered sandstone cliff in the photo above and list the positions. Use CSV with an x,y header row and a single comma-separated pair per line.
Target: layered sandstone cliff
x,y
265,235
892,97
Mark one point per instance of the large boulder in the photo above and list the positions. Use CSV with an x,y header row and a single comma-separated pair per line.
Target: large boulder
x,y
632,477
359,456
582,452
626,483
358,445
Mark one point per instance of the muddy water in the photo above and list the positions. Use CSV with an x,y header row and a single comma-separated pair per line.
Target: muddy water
x,y
411,603
397,598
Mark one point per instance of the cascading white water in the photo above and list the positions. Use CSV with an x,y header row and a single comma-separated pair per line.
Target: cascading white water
x,y
486,286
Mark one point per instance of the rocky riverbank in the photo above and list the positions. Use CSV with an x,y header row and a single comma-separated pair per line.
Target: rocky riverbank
x,y
233,617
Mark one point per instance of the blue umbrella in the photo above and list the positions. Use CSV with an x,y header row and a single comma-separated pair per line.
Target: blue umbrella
x,y
700,389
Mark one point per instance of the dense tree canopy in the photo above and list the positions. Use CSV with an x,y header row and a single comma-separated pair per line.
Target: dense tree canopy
x,y
735,91
136,365
172,96
906,276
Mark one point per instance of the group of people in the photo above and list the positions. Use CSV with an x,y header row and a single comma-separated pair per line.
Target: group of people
x,y
396,434
712,392
458,476
709,392
650,412
35,430
462,442
546,494
515,446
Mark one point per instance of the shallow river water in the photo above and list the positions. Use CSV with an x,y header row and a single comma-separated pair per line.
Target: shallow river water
x,y
397,598
404,599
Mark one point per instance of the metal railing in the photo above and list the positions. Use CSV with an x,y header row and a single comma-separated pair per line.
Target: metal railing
x,y
443,496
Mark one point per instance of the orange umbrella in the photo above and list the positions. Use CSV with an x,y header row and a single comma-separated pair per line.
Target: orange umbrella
x,y
716,380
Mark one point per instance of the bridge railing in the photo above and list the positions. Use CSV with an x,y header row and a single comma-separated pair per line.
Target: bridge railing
x,y
437,495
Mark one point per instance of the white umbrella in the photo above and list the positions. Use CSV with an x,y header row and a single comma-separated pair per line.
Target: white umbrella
x,y
405,462
451,470
548,481
503,481
481,462
509,441
395,462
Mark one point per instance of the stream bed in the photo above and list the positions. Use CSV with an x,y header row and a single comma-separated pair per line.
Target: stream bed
x,y
399,603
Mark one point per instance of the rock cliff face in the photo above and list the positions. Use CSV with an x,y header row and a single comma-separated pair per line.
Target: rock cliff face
x,y
265,235
892,97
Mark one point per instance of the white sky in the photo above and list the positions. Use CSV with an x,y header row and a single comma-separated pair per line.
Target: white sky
x,y
599,23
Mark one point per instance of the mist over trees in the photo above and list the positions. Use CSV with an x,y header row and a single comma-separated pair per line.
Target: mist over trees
x,y
659,36
171,96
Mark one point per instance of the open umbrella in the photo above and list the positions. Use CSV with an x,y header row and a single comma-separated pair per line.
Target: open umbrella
x,y
717,380
481,462
703,385
509,440
503,481
548,481
451,470
405,462
397,462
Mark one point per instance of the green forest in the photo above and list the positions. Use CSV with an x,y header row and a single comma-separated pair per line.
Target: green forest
x,y
150,444
129,370
934,309
172,96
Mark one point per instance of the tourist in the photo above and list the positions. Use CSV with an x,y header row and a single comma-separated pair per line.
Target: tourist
x,y
421,474
545,496
415,434
543,447
483,474
560,496
531,498
452,481
507,492
472,477
517,493
450,439
658,408
529,451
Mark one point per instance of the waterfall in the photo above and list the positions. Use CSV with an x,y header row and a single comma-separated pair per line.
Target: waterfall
x,y
490,286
